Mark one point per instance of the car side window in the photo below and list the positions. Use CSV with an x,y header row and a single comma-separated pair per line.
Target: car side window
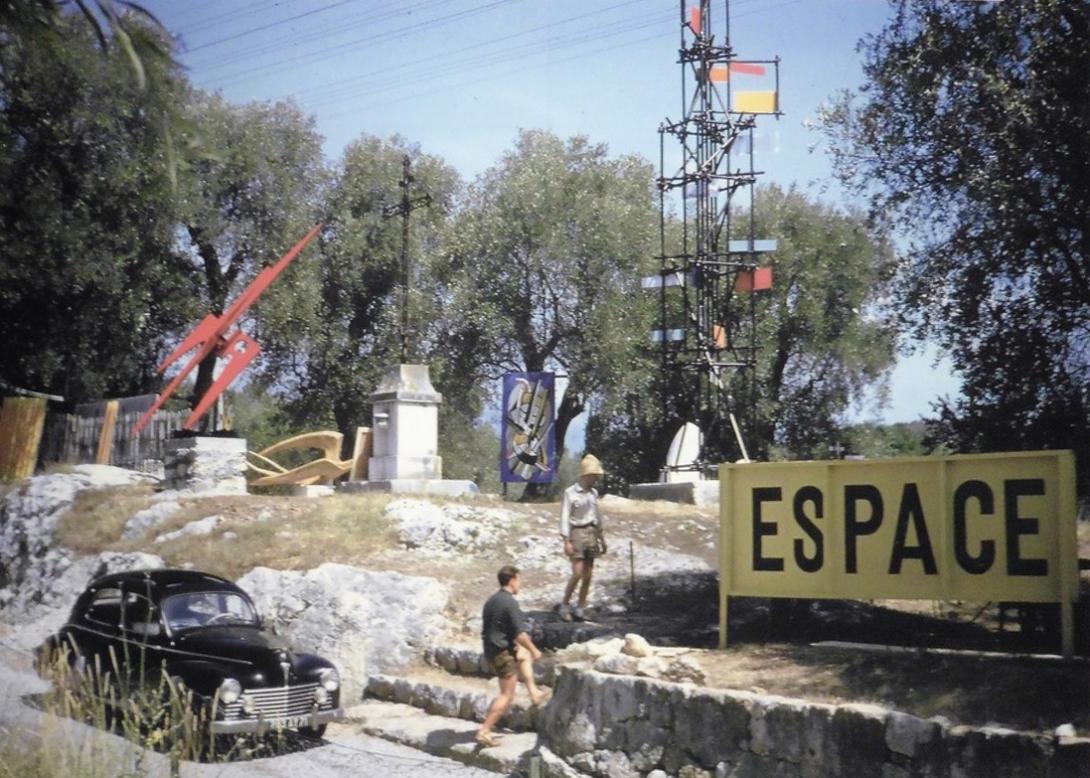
x,y
105,607
138,615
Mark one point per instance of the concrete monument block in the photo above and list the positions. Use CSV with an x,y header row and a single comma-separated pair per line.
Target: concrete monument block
x,y
405,429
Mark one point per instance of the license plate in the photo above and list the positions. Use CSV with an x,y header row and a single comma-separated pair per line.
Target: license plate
x,y
291,722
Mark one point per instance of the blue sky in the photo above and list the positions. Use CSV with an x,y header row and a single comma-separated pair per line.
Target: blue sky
x,y
461,77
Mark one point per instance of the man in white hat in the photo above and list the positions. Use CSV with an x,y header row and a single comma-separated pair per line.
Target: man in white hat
x,y
581,531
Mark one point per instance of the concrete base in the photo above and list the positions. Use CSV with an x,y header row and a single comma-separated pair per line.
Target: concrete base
x,y
205,464
704,493
434,486
313,490
405,468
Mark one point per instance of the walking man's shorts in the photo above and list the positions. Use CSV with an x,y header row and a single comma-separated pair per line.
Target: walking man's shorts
x,y
504,664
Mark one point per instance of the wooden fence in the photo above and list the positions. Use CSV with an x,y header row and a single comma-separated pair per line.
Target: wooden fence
x,y
73,439
21,424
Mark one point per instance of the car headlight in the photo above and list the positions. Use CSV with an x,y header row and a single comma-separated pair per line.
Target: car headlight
x,y
330,679
321,696
229,691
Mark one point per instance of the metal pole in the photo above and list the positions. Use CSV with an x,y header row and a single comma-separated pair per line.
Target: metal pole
x,y
404,208
406,182
632,572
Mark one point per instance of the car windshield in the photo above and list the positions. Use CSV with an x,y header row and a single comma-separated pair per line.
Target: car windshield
x,y
201,609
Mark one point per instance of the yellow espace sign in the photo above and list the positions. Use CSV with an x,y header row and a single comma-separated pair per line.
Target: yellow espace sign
x,y
974,527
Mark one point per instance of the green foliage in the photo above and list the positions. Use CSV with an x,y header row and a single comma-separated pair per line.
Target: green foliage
x,y
822,343
970,134
470,451
336,334
877,441
246,205
91,289
822,333
257,415
544,266
128,26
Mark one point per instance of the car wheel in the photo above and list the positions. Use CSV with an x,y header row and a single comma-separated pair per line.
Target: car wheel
x,y
313,733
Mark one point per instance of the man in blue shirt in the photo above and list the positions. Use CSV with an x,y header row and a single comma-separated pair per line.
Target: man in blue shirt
x,y
508,650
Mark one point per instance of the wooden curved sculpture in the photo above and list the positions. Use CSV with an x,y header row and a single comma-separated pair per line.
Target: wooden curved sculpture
x,y
326,469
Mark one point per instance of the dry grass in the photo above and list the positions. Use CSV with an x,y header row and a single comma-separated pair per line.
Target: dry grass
x,y
1021,693
343,528
97,517
161,718
288,533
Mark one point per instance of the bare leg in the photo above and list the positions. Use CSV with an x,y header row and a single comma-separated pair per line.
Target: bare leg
x,y
584,587
526,673
576,575
500,705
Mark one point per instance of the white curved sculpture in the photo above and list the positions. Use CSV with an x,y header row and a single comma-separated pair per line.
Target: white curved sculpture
x,y
683,452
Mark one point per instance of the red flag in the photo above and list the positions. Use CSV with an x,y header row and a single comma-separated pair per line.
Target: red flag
x,y
719,73
757,280
695,19
747,68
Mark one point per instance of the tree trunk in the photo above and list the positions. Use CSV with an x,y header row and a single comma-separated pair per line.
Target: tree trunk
x,y
217,286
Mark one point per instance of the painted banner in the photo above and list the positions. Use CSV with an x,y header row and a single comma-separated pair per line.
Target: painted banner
x,y
528,438
987,527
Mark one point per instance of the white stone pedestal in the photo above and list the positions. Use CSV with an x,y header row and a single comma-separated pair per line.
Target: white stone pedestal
x,y
705,493
405,439
405,426
205,464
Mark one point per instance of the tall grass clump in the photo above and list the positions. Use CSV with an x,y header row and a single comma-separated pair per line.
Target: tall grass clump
x,y
158,714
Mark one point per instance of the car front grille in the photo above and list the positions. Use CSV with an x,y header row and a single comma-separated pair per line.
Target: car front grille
x,y
277,702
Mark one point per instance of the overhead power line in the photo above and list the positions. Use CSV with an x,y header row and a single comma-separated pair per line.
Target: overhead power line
x,y
386,79
228,16
445,56
515,53
270,25
384,36
340,26
495,76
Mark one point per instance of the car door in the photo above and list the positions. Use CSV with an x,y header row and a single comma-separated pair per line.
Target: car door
x,y
96,632
141,637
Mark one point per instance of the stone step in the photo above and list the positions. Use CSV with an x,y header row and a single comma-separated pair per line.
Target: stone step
x,y
446,736
454,696
469,661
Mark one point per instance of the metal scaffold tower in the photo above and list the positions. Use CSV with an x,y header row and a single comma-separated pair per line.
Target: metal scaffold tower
x,y
708,281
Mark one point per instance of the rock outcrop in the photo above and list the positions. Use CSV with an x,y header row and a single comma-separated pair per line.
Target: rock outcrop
x,y
367,622
449,527
44,609
30,561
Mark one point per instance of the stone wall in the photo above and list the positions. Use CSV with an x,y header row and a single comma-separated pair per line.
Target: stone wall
x,y
206,464
629,727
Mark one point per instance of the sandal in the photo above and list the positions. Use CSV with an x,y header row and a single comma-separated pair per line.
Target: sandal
x,y
487,739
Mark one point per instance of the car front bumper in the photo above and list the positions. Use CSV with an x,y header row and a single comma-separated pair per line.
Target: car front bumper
x,y
261,725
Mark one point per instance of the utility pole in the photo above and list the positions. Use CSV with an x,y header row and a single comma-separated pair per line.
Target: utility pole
x,y
403,209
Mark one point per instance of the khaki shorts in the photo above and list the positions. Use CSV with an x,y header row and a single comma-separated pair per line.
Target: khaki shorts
x,y
585,542
504,664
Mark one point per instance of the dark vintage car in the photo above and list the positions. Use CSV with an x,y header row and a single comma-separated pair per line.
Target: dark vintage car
x,y
205,633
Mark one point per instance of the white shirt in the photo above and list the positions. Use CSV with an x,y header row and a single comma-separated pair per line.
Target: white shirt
x,y
579,509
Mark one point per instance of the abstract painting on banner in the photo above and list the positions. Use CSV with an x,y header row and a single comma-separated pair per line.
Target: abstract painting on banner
x,y
528,438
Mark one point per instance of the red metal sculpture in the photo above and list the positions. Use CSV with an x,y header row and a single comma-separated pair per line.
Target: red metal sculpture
x,y
238,348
